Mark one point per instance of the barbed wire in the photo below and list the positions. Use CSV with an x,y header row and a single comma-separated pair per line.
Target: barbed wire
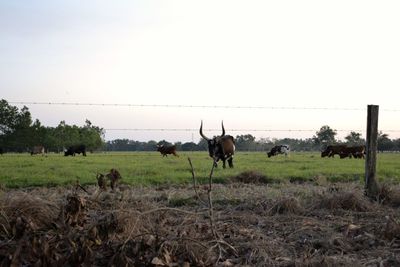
x,y
191,106
233,130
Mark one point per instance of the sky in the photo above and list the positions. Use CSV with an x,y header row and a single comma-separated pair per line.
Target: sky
x,y
304,64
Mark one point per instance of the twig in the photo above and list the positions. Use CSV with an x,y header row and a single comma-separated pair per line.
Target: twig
x,y
210,203
194,183
169,209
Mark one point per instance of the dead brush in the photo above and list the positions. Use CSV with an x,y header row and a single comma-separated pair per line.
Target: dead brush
x,y
389,195
21,212
286,206
113,177
74,210
343,200
392,228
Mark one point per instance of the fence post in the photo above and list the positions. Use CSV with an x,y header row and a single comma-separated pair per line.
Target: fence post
x,y
371,186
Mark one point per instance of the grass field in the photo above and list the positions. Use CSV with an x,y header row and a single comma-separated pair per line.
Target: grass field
x,y
149,168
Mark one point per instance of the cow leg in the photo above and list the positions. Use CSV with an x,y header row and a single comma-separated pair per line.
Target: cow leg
x,y
223,164
230,161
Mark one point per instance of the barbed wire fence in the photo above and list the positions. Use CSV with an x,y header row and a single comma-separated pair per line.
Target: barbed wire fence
x,y
229,107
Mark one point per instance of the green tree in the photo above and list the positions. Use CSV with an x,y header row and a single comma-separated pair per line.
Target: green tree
x,y
354,138
8,117
325,136
92,136
245,142
384,143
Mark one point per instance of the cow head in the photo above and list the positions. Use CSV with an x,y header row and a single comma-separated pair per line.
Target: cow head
x,y
160,147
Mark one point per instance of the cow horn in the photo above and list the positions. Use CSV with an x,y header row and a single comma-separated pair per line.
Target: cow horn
x,y
223,129
201,131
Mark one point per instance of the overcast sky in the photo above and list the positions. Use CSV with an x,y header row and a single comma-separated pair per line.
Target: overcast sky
x,y
331,54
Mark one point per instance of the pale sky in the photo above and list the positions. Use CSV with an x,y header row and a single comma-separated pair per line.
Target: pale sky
x,y
330,54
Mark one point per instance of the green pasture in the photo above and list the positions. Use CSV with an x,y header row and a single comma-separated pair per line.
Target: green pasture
x,y
145,168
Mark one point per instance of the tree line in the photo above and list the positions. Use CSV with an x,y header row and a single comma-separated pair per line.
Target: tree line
x,y
19,133
323,137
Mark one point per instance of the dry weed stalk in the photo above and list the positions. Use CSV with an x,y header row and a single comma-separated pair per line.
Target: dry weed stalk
x,y
195,183
219,242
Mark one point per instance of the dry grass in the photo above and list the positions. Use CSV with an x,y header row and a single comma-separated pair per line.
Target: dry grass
x,y
279,225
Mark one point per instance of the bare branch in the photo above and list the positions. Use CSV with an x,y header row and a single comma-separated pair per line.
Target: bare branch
x,y
195,183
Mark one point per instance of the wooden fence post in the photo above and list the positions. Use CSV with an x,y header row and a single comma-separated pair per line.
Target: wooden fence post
x,y
371,186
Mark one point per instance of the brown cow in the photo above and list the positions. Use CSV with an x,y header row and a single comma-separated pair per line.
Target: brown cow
x,y
220,147
165,150
331,150
353,151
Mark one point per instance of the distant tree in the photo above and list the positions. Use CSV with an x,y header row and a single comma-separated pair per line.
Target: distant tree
x,y
245,142
384,143
325,136
8,117
202,145
15,132
354,138
178,145
396,144
189,146
91,136
152,145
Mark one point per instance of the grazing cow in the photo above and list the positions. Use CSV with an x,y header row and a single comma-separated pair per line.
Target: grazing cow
x,y
37,150
330,151
220,147
353,151
77,149
165,150
279,149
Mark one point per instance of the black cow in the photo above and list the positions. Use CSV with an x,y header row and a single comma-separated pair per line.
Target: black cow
x,y
279,149
77,149
220,147
165,150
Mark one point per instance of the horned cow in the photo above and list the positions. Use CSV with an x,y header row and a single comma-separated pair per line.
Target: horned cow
x,y
220,147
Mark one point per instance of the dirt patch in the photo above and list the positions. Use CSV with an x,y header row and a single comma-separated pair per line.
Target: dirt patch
x,y
254,225
252,177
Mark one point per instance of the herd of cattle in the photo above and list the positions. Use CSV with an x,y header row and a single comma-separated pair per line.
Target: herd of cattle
x,y
222,148
344,151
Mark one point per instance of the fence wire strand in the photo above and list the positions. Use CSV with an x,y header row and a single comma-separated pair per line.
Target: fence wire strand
x,y
191,106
